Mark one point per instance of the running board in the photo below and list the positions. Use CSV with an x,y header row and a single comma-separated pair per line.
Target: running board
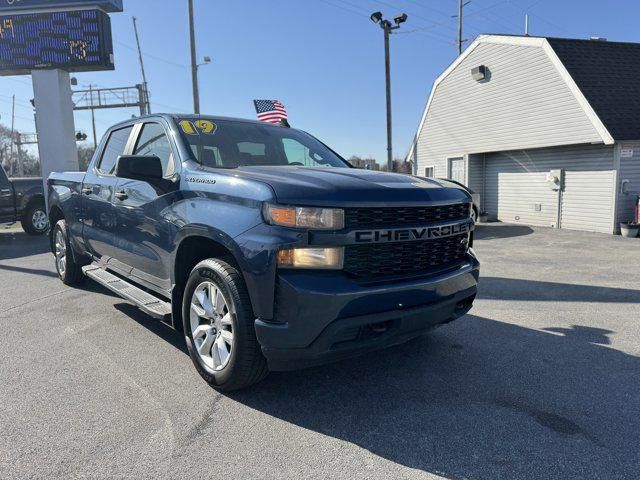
x,y
144,301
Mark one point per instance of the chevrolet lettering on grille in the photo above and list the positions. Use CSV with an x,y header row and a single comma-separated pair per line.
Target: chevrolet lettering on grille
x,y
412,234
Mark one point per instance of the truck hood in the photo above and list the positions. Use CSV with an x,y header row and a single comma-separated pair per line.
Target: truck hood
x,y
350,186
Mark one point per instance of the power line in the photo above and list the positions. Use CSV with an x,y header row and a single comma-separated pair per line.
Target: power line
x,y
151,56
18,102
17,116
342,7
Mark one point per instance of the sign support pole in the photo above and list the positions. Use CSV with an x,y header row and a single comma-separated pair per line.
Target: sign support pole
x,y
54,121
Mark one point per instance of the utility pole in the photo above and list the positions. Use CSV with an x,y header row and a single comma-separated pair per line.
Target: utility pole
x,y
461,5
459,27
93,118
147,101
19,151
13,122
388,28
194,62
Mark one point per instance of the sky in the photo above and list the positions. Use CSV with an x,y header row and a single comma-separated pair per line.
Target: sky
x,y
323,59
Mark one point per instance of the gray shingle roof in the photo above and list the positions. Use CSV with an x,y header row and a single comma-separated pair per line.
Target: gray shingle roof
x,y
608,74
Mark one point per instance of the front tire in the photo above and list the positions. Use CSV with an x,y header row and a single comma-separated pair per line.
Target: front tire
x,y
67,266
474,214
34,220
219,327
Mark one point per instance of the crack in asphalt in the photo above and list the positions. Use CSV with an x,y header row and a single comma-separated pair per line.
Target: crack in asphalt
x,y
36,300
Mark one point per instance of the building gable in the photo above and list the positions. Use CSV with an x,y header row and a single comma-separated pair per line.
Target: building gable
x,y
527,101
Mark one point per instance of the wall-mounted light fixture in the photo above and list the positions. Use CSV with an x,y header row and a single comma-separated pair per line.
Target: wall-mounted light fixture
x,y
479,73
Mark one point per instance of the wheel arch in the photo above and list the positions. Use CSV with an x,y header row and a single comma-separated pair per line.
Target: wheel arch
x,y
30,201
193,246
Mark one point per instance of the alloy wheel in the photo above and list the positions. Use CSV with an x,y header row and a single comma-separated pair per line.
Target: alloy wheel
x,y
39,220
61,253
211,325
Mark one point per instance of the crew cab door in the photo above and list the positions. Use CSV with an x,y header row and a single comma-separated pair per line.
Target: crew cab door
x,y
7,200
99,217
145,233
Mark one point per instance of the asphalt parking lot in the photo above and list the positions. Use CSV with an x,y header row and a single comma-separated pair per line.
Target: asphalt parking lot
x,y
542,380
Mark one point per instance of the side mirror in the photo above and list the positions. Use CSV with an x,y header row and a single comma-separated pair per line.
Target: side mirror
x,y
139,167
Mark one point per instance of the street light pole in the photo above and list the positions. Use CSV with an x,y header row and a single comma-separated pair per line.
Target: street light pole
x,y
387,69
194,62
388,28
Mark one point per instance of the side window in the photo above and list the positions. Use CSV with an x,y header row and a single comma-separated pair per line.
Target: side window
x,y
115,147
298,154
428,172
252,153
154,141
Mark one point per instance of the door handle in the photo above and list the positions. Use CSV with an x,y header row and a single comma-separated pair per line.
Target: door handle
x,y
87,190
122,195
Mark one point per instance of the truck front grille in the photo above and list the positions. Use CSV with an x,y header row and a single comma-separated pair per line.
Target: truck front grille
x,y
404,259
403,216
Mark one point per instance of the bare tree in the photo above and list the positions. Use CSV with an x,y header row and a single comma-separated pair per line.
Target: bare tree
x,y
85,154
399,166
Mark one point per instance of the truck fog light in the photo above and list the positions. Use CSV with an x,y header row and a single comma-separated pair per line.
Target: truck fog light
x,y
318,258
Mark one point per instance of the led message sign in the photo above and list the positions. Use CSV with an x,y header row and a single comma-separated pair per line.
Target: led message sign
x,y
70,40
106,5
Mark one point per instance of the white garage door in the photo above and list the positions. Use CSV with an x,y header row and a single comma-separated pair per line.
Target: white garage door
x,y
587,201
517,194
517,191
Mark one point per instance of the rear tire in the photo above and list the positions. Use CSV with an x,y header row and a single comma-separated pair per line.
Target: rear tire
x,y
67,266
219,327
34,219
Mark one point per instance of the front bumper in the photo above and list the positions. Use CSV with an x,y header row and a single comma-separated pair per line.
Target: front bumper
x,y
325,316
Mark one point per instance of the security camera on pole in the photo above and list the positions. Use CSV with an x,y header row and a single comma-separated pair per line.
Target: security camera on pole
x,y
388,28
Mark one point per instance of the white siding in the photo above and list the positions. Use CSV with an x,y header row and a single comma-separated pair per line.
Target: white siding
x,y
516,183
629,170
524,104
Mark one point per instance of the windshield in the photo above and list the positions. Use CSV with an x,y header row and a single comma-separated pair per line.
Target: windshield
x,y
231,144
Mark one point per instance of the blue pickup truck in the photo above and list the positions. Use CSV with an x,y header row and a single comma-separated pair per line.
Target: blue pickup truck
x,y
261,244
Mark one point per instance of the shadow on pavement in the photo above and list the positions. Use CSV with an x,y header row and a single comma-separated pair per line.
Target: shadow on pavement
x,y
506,402
497,288
493,231
17,244
29,271
477,399
165,332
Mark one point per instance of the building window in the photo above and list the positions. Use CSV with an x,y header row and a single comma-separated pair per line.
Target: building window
x,y
429,172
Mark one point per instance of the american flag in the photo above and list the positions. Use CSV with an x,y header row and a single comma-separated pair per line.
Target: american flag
x,y
271,111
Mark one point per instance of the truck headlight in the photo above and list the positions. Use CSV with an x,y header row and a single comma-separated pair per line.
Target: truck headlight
x,y
305,217
317,258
